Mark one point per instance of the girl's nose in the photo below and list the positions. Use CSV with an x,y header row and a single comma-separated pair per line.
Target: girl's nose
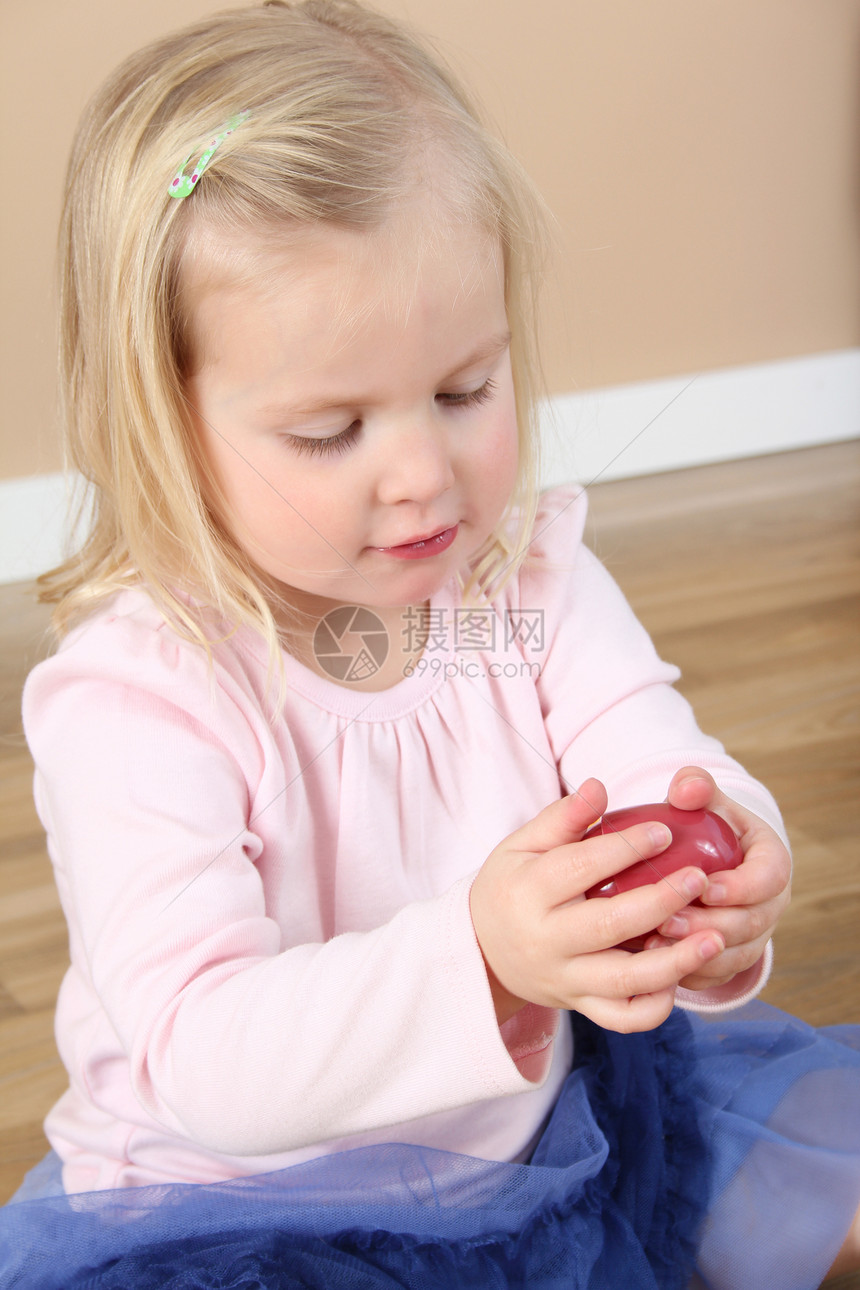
x,y
416,464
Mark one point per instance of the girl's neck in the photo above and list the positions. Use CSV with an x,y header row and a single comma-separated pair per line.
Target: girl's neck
x,y
364,649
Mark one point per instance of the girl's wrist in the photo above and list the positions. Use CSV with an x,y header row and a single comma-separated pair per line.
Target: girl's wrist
x,y
506,1004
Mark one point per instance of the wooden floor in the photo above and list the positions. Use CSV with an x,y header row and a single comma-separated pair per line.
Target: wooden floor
x,y
747,575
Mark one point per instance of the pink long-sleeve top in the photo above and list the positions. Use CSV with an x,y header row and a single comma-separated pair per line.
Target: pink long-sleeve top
x,y
271,950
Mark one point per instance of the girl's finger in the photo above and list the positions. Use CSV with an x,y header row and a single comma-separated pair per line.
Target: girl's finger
x,y
732,963
604,922
616,974
764,875
569,871
563,821
693,789
628,1016
737,925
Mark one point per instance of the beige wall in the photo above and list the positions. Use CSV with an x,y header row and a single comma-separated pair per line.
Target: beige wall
x,y
701,157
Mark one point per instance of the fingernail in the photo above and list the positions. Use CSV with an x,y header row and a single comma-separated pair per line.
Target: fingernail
x,y
660,835
676,927
715,894
656,942
710,948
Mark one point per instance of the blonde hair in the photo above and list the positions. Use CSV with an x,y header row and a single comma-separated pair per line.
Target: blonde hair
x,y
338,98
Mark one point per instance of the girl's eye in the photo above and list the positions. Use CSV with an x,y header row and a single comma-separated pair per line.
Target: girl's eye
x,y
472,398
333,445
330,446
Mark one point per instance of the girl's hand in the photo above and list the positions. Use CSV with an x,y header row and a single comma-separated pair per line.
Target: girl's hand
x,y
743,904
544,943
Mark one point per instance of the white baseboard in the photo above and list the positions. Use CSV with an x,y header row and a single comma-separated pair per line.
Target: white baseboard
x,y
34,520
608,433
692,420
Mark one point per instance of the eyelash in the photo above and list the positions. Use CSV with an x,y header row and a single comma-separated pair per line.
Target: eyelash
x,y
336,444
331,446
472,399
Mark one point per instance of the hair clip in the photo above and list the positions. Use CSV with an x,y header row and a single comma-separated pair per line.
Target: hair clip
x,y
181,184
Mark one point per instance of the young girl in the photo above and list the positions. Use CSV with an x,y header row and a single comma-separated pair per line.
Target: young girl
x,y
336,702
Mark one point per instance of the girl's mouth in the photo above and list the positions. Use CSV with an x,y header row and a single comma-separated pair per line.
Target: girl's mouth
x,y
422,548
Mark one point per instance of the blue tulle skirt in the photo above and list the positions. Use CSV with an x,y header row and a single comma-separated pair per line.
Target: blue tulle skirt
x,y
721,1153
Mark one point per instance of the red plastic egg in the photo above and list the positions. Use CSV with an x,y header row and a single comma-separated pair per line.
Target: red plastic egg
x,y
699,838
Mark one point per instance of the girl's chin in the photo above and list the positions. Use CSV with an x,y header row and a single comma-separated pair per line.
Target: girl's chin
x,y
379,594
408,582
382,581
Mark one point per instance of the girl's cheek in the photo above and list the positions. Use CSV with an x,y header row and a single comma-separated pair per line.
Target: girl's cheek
x,y
504,449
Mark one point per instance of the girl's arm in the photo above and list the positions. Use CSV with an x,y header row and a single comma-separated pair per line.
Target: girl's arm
x,y
611,712
188,1003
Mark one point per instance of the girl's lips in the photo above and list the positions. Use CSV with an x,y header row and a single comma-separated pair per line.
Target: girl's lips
x,y
423,547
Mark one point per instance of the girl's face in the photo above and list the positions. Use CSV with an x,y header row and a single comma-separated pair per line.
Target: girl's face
x,y
353,396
